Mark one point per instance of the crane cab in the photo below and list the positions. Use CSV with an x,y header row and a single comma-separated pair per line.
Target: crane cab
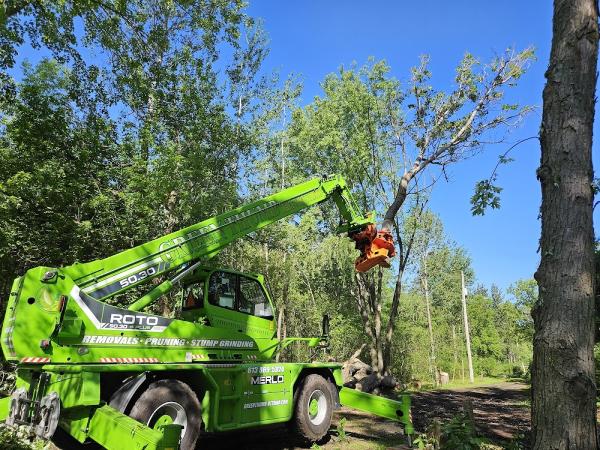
x,y
228,299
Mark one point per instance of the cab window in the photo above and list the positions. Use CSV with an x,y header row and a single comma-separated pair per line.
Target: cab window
x,y
252,299
193,296
221,290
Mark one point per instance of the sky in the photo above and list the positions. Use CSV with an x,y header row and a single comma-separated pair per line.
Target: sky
x,y
313,38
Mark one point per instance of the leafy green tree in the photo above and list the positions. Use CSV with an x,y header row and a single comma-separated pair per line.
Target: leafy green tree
x,y
525,295
57,177
428,237
167,150
485,336
382,136
184,145
49,24
444,264
442,129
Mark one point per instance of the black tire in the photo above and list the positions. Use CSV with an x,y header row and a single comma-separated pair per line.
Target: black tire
x,y
310,423
176,400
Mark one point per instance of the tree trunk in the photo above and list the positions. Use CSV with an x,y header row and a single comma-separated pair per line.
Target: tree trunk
x,y
563,389
280,319
404,255
391,326
376,299
367,313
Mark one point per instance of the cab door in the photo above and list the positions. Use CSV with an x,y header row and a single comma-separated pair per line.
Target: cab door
x,y
239,302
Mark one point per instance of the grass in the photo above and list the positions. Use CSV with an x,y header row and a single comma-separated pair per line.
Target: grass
x,y
522,404
364,443
460,384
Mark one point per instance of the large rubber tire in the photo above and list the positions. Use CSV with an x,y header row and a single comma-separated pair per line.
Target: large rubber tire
x,y
313,408
170,401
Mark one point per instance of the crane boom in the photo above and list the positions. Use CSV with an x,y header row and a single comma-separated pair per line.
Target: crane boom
x,y
73,298
104,278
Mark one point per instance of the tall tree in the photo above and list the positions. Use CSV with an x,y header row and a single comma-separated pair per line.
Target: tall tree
x,y
58,177
163,69
428,238
564,390
160,61
383,135
142,100
525,295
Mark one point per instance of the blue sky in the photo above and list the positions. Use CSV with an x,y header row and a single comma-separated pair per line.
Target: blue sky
x,y
313,38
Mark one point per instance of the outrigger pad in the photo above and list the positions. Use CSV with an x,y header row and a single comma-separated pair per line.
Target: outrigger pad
x,y
42,416
49,413
376,248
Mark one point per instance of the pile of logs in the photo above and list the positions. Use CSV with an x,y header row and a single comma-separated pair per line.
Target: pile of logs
x,y
359,375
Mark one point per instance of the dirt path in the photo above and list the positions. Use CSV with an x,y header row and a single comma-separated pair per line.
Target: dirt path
x,y
363,432
501,410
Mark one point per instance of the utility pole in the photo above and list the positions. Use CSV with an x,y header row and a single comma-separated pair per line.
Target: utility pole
x,y
432,366
466,326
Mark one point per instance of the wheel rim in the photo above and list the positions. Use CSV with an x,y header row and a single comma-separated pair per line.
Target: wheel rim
x,y
317,407
168,413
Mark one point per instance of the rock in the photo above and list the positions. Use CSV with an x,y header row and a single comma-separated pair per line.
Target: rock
x,y
368,383
388,382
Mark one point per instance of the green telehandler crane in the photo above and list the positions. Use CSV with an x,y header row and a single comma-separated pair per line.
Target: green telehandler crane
x,y
128,379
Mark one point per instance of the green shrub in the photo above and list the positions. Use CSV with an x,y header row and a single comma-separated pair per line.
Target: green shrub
x,y
490,367
18,439
460,434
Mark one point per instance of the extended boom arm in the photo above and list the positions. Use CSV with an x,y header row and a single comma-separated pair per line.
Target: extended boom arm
x,y
107,277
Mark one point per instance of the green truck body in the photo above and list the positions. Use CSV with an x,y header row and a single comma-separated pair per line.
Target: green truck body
x,y
131,379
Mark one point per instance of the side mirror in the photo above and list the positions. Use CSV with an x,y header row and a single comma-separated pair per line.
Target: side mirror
x,y
325,333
